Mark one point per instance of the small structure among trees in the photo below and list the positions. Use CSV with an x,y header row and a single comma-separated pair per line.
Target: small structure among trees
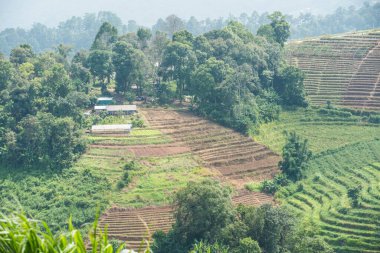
x,y
116,109
104,101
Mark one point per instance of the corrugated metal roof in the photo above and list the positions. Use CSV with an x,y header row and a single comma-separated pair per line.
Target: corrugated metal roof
x,y
121,127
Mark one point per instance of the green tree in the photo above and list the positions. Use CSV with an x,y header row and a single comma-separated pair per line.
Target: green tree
x,y
21,54
178,62
202,247
7,73
295,157
289,85
56,82
183,37
100,64
144,35
247,245
201,210
272,227
281,27
130,66
105,38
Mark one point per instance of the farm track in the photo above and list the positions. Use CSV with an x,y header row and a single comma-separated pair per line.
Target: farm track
x,y
344,70
236,157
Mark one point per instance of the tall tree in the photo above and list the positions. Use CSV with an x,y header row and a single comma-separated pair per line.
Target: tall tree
x,y
178,62
130,65
21,54
295,157
100,64
106,36
144,35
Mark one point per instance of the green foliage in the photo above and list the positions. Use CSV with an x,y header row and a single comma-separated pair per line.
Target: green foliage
x,y
214,210
100,65
272,186
295,156
54,196
247,245
106,36
290,86
130,65
177,64
202,247
19,234
143,36
374,119
21,54
354,194
281,27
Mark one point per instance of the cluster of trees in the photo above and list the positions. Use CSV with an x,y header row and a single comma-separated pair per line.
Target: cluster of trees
x,y
207,221
231,76
77,30
41,102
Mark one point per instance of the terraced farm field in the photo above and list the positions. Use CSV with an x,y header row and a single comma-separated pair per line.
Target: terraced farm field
x,y
323,197
136,226
176,148
237,158
343,69
322,131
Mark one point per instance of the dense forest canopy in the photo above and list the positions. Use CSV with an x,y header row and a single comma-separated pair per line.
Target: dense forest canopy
x,y
77,30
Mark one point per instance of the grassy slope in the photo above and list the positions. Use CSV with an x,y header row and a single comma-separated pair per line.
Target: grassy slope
x,y
156,179
91,183
323,132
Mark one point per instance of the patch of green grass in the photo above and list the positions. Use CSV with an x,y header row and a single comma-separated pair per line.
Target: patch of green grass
x,y
158,178
253,186
324,132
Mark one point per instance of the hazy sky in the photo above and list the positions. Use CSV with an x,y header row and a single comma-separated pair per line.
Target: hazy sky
x,y
23,13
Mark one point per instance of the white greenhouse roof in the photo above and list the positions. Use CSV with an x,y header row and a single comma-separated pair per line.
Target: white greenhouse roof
x,y
111,127
105,99
100,107
115,108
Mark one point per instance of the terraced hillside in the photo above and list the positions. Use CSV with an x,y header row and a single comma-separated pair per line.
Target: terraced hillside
x,y
323,197
169,153
237,158
343,69
136,226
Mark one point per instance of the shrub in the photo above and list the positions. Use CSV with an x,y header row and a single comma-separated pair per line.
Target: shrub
x,y
354,195
374,119
296,155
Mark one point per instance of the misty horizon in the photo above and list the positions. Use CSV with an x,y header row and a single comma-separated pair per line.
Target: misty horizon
x,y
23,14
